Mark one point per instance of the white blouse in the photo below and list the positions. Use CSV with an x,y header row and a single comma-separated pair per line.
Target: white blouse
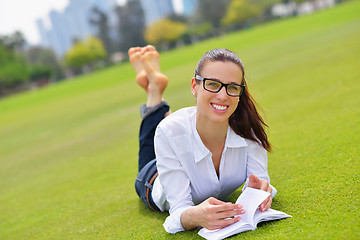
x,y
187,175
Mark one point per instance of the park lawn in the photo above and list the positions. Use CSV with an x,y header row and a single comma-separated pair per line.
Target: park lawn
x,y
68,152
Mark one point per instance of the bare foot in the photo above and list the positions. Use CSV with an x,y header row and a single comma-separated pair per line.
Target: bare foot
x,y
135,60
157,81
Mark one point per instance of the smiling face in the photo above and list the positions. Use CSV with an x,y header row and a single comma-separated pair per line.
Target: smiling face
x,y
216,107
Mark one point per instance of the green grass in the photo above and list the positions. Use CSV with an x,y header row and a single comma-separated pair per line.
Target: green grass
x,y
68,152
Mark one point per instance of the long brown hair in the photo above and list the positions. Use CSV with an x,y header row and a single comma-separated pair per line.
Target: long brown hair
x,y
245,121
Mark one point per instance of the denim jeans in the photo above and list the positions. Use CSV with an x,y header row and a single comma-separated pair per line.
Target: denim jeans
x,y
147,161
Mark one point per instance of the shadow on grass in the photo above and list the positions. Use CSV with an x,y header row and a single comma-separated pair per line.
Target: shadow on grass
x,y
146,212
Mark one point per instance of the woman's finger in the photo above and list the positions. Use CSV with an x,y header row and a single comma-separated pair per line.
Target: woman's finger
x,y
230,213
214,201
221,223
264,185
266,204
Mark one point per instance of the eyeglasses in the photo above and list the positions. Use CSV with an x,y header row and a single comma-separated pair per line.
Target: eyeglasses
x,y
213,85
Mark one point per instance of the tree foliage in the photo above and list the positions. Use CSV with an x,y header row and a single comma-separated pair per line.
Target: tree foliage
x,y
100,20
13,70
46,57
85,53
241,11
131,25
212,11
164,30
14,41
40,72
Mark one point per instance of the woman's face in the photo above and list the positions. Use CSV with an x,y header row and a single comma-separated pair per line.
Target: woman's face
x,y
217,107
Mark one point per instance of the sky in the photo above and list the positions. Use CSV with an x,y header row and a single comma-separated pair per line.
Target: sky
x,y
22,15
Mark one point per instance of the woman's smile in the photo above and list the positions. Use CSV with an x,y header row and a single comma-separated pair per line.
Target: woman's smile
x,y
219,107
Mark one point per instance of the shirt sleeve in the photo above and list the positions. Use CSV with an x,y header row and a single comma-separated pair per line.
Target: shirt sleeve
x,y
257,164
173,180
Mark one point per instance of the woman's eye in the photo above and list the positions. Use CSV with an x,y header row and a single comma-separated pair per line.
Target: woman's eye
x,y
213,84
233,88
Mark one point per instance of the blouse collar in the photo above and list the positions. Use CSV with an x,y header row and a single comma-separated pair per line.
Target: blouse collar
x,y
232,140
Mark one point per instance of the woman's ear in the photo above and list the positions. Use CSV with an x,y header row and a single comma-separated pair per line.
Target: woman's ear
x,y
193,86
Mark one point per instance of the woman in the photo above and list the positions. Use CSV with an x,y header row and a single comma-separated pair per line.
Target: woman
x,y
203,153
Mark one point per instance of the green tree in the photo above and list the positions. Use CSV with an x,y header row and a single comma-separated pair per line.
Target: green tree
x,y
14,41
13,70
99,19
239,12
199,31
212,11
85,53
131,25
46,57
164,31
41,73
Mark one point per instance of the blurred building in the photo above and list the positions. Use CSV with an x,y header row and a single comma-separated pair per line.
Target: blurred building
x,y
156,9
189,7
63,28
185,7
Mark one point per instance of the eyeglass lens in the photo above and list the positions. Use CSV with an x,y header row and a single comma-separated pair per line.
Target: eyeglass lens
x,y
214,86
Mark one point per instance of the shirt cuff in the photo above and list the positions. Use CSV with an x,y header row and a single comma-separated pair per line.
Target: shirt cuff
x,y
172,223
273,192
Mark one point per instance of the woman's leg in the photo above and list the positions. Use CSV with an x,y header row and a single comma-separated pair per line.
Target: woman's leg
x,y
146,62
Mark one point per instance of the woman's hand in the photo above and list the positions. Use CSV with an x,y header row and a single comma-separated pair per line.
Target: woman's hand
x,y
264,185
211,214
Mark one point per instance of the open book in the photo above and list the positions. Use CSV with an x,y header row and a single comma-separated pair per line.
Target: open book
x,y
250,199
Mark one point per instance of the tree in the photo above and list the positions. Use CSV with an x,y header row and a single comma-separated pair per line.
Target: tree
x,y
14,41
239,11
46,57
164,31
41,74
200,30
85,53
212,11
132,25
100,20
13,70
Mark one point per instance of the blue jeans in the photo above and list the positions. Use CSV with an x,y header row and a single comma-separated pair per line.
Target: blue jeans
x,y
147,162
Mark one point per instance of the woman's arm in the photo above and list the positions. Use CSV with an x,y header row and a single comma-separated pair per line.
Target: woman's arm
x,y
257,173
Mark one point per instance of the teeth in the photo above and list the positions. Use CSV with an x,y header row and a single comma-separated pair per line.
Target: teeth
x,y
217,107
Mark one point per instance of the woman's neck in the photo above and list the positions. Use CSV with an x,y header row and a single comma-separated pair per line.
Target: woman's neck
x,y
212,133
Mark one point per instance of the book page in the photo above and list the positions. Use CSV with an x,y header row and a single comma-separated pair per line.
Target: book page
x,y
250,199
268,215
240,226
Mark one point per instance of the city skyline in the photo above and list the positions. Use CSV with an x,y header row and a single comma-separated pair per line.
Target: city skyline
x,y
73,23
30,12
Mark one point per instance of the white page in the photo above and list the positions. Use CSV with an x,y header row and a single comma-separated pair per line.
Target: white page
x,y
268,215
250,199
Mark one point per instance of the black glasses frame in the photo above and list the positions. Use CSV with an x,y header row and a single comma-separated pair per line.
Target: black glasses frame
x,y
200,78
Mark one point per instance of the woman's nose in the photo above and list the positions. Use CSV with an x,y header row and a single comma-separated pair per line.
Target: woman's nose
x,y
222,93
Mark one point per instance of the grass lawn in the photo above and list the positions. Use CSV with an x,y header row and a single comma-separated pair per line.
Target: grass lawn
x,y
68,152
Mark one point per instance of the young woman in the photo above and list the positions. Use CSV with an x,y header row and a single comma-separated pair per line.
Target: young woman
x,y
203,153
